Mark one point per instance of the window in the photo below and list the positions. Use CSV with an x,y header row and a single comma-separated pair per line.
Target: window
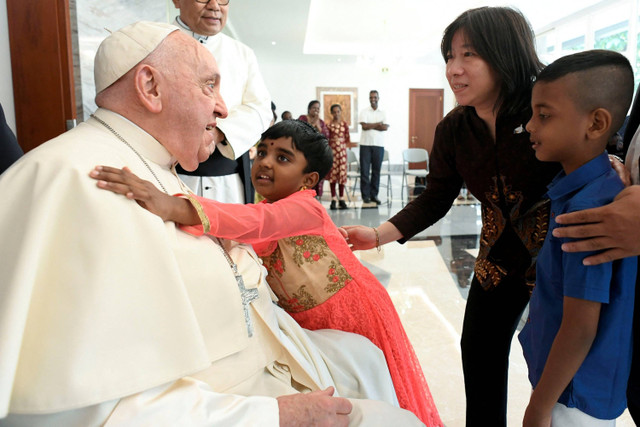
x,y
576,44
613,37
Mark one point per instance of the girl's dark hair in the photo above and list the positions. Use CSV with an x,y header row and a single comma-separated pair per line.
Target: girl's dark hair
x,y
334,106
315,101
502,37
306,139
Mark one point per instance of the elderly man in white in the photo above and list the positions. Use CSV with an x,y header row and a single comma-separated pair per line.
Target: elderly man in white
x,y
248,100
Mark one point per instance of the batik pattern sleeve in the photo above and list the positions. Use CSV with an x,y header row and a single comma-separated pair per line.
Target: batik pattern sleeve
x,y
443,185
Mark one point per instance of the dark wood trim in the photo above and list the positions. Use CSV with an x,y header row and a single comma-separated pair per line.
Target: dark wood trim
x,y
42,69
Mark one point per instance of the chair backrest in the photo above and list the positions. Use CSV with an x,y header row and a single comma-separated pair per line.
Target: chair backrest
x,y
415,155
352,160
386,163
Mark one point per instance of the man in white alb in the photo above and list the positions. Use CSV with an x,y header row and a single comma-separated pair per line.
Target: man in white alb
x,y
109,316
248,100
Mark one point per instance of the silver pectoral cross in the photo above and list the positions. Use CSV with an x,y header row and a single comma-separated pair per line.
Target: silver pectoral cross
x,y
248,296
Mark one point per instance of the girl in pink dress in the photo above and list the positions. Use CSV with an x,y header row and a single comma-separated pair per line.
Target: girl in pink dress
x,y
312,270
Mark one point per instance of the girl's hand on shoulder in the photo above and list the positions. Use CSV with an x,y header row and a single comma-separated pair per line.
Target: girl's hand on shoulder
x,y
123,181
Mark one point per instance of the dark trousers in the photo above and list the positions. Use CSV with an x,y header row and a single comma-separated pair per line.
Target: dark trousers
x,y
370,163
490,320
633,386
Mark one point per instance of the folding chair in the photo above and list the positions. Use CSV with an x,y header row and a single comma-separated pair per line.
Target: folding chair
x,y
385,171
411,156
353,170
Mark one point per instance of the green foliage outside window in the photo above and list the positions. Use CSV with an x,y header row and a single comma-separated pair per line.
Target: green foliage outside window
x,y
617,42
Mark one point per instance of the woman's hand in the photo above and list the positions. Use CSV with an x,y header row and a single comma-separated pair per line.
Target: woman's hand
x,y
359,237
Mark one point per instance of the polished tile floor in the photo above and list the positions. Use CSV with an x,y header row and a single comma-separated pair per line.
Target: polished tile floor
x,y
427,279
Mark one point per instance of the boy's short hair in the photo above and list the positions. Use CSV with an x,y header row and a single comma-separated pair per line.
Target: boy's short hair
x,y
306,139
604,79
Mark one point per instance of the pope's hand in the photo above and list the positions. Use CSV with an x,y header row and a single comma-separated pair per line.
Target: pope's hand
x,y
318,408
614,228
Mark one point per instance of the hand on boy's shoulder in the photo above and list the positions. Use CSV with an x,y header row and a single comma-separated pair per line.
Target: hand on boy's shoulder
x,y
613,228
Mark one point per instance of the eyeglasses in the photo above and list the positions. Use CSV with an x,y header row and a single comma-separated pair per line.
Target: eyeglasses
x,y
220,2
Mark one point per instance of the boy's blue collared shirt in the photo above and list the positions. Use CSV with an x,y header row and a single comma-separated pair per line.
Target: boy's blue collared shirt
x,y
599,386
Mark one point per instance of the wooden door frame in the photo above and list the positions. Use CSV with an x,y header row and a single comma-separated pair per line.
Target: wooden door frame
x,y
42,69
413,122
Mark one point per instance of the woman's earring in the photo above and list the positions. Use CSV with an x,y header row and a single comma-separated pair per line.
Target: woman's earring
x,y
304,187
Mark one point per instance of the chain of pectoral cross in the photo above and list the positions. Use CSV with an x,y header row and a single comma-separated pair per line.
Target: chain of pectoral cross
x,y
247,295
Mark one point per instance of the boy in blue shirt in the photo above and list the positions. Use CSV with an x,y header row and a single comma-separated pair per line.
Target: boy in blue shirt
x,y
577,340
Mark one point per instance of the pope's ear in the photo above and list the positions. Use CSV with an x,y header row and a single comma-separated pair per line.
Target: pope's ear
x,y
310,179
147,87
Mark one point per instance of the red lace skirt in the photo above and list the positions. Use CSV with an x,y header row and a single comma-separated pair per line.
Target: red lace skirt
x,y
369,311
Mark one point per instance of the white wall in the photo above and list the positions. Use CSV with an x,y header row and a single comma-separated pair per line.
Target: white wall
x,y
6,83
293,85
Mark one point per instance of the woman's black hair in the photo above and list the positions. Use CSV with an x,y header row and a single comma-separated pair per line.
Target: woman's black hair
x,y
315,101
306,139
334,106
504,39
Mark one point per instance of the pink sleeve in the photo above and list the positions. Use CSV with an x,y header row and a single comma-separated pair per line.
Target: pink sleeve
x,y
254,223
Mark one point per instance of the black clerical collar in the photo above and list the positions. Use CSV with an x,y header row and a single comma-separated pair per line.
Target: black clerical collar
x,y
199,37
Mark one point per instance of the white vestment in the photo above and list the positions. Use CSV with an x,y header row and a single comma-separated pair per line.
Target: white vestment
x,y
248,101
108,315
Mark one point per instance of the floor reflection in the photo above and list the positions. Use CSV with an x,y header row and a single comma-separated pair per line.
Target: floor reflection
x,y
456,235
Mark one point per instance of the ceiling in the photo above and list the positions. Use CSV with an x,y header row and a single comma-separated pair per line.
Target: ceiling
x,y
345,30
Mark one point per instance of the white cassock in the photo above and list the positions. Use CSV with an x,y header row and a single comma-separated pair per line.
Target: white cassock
x,y
248,101
110,316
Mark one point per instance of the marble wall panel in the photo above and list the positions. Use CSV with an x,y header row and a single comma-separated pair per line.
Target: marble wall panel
x,y
94,19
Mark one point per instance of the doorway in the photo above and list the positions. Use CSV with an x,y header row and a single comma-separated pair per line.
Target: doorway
x,y
425,112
